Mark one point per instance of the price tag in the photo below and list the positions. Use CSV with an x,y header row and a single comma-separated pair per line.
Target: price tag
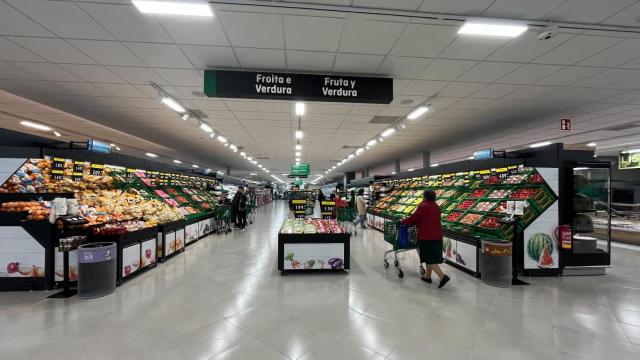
x,y
130,172
77,176
78,166
57,175
97,169
503,173
58,163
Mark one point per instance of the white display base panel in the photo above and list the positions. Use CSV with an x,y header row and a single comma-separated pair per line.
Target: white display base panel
x,y
8,166
312,256
130,260
461,253
148,253
20,254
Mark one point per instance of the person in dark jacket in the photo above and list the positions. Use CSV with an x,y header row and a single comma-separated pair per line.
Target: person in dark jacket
x,y
352,199
238,208
427,219
224,200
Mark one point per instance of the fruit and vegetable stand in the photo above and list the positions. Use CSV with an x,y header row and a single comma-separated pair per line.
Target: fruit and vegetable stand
x,y
313,245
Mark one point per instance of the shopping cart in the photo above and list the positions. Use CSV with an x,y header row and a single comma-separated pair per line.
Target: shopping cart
x,y
402,239
251,211
222,215
345,216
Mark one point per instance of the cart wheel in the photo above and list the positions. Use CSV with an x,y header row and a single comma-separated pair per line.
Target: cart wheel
x,y
386,264
400,273
422,271
396,263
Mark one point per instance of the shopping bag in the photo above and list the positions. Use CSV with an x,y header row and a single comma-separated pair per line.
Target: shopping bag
x,y
403,237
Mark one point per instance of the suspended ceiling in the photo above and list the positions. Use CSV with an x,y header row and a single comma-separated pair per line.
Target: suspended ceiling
x,y
96,60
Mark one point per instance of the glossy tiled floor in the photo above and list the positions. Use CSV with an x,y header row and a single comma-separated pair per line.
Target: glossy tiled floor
x,y
223,299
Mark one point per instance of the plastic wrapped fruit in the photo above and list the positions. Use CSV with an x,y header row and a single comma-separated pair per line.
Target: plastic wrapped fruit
x,y
515,179
499,194
471,219
491,222
522,194
453,216
467,204
484,206
475,194
536,179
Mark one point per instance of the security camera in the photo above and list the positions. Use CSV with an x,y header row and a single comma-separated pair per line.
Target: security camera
x,y
548,32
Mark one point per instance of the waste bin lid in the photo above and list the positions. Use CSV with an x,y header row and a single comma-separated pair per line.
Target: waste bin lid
x,y
497,247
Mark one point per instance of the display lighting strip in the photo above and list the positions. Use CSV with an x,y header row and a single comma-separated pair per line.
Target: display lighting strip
x,y
416,113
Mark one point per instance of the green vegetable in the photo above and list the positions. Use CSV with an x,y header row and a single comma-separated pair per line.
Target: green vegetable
x,y
309,264
537,243
289,257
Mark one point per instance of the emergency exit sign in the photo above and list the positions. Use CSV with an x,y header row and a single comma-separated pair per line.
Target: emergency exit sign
x,y
565,124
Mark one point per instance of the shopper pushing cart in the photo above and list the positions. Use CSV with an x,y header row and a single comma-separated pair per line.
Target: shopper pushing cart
x,y
429,236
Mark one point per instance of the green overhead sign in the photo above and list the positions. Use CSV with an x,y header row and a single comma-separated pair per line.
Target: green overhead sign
x,y
302,170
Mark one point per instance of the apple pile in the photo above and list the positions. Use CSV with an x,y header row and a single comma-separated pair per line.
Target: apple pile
x,y
454,216
467,204
478,193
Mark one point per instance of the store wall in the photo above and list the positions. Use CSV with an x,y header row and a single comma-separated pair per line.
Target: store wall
x,y
385,169
414,162
624,182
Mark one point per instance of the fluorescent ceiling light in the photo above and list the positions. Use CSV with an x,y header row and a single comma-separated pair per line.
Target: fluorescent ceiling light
x,y
118,148
380,139
417,112
174,105
393,173
243,154
212,135
222,139
185,117
298,153
249,159
58,134
254,162
300,108
411,169
591,144
177,161
298,147
35,125
260,166
297,159
195,166
350,156
491,29
388,132
580,168
631,151
434,165
299,134
205,127
359,151
253,174
372,142
233,148
333,167
151,155
471,157
173,8
540,144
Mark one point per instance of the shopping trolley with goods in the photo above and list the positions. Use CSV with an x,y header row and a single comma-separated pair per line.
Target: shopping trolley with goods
x,y
402,239
222,215
346,216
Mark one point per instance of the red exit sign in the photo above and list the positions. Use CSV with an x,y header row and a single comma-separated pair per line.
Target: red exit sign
x,y
565,124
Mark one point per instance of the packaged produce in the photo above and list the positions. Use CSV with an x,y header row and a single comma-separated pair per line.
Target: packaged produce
x,y
536,178
453,216
484,206
478,193
515,179
470,219
467,204
491,222
492,180
499,193
522,194
36,210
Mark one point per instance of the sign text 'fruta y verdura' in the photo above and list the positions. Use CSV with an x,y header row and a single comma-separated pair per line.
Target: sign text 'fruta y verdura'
x,y
287,86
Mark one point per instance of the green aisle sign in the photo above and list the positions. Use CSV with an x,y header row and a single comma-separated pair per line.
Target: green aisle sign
x,y
300,170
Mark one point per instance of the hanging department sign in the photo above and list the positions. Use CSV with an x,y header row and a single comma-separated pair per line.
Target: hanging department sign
x,y
286,86
302,170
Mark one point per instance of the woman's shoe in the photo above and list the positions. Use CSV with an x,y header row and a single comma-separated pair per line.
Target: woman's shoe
x,y
444,281
426,279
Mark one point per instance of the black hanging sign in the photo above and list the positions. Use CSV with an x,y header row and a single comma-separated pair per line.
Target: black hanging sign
x,y
287,86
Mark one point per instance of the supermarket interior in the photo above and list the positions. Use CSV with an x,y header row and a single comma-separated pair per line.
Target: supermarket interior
x,y
320,179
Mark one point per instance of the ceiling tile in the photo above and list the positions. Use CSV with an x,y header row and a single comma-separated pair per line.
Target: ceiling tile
x,y
65,19
495,91
181,77
312,33
160,55
275,106
607,77
327,108
627,84
527,47
563,93
12,22
210,104
618,54
355,63
137,75
530,92
126,23
424,40
261,58
461,7
9,71
576,49
470,47
11,51
122,90
596,95
252,29
194,30
628,17
487,71
54,50
93,73
309,61
47,71
107,52
569,75
424,87
369,37
529,73
440,69
242,105
203,57
83,88
407,67
469,103
461,89
587,11
520,9
411,5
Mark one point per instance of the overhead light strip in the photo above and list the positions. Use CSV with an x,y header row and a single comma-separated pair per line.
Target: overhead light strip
x,y
173,8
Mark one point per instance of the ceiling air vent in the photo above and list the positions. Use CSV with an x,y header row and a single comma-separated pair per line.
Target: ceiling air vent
x,y
384,120
623,127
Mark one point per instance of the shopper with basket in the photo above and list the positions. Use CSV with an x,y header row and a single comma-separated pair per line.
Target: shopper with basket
x,y
428,221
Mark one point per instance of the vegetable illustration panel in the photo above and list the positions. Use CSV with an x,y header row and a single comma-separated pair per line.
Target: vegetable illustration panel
x,y
170,243
130,260
73,266
313,256
148,253
20,254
